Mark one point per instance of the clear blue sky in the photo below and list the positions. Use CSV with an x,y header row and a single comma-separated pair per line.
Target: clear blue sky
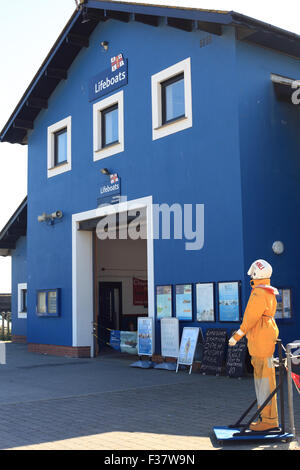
x,y
28,29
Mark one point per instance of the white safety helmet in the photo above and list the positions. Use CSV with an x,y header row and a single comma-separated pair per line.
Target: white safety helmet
x,y
260,269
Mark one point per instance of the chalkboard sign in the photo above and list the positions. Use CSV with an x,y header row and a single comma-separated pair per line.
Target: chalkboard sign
x,y
236,356
214,351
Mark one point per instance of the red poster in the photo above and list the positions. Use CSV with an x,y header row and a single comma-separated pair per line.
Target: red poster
x,y
140,292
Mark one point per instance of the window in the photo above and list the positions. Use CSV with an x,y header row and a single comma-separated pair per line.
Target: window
x,y
108,122
22,300
173,105
59,147
172,100
110,126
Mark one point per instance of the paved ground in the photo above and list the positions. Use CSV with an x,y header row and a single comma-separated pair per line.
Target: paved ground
x,y
55,403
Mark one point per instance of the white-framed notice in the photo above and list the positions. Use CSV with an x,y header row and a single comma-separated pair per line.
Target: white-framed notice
x,y
145,336
188,344
169,335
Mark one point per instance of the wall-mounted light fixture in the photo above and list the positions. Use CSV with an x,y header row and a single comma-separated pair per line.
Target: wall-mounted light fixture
x,y
278,247
105,171
104,45
49,218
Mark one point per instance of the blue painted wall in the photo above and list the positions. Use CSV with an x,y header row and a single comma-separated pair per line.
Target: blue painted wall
x,y
198,165
19,276
270,145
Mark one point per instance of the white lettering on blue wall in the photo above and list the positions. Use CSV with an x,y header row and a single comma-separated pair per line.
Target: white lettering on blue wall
x,y
107,81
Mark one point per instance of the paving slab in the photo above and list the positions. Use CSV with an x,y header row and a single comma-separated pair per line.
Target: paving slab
x,y
58,403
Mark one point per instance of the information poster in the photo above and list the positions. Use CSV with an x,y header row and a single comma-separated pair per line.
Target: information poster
x,y
164,301
279,308
52,302
184,306
140,292
284,304
229,301
145,336
287,304
41,303
205,302
169,328
188,345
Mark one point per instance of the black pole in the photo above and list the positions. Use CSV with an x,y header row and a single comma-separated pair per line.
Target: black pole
x,y
281,375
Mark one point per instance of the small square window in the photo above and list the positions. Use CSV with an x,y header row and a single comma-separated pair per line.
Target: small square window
x,y
173,103
108,126
60,147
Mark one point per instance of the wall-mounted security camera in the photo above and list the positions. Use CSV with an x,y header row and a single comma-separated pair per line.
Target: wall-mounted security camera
x,y
56,215
50,217
42,218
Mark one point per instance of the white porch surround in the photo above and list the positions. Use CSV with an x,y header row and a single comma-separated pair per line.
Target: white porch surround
x,y
82,268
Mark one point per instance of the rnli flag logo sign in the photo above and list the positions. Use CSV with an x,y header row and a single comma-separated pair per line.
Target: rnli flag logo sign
x,y
110,79
110,193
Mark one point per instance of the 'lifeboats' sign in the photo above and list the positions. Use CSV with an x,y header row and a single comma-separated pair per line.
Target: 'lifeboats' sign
x,y
109,80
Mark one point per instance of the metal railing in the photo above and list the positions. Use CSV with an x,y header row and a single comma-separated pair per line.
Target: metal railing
x,y
289,355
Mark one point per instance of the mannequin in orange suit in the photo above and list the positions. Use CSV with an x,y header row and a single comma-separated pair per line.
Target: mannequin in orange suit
x,y
262,332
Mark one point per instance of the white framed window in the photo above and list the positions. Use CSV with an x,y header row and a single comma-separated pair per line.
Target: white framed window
x,y
108,126
22,300
59,147
172,99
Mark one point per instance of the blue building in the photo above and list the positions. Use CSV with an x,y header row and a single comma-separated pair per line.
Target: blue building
x,y
144,114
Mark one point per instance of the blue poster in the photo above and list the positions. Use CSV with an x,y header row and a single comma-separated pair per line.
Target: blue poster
x,y
145,336
184,302
229,302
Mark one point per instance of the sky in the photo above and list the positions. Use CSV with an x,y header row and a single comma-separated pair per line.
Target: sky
x,y
28,29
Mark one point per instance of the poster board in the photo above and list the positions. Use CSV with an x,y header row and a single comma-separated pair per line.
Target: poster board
x,y
284,304
236,357
164,301
187,348
229,301
145,336
169,330
214,351
205,301
184,303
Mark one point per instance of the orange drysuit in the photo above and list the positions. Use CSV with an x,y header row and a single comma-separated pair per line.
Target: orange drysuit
x,y
262,332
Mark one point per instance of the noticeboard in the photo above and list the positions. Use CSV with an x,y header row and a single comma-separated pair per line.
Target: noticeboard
x,y
214,351
184,304
169,331
188,344
164,301
145,336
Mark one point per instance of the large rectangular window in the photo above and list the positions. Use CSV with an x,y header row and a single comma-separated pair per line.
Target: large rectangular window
x,y
173,104
172,100
110,125
59,147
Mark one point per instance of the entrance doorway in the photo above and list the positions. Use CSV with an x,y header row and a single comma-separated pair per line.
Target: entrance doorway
x,y
94,262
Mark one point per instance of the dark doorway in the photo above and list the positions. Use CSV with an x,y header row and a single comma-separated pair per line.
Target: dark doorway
x,y
110,311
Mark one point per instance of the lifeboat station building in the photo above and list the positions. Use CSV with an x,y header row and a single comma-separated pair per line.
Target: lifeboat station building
x,y
163,159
